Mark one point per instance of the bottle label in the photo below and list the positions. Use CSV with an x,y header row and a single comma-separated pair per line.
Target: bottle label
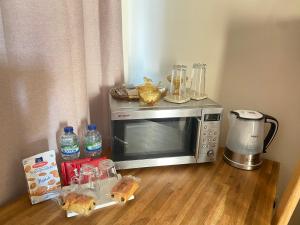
x,y
93,147
70,150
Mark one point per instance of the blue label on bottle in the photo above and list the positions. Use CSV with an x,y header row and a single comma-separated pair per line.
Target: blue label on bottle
x,y
93,147
70,150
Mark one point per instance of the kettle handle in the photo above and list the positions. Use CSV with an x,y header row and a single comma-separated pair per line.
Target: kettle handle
x,y
272,132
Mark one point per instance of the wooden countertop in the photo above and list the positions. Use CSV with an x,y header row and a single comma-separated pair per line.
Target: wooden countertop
x,y
210,193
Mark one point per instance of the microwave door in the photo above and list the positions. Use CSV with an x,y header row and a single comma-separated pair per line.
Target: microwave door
x,y
153,138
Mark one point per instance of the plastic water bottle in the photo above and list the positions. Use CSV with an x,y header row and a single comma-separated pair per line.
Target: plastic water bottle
x,y
69,144
92,142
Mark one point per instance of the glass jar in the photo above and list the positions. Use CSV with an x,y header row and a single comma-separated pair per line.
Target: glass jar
x,y
178,85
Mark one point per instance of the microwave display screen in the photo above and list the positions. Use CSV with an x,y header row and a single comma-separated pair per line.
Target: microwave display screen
x,y
152,138
212,117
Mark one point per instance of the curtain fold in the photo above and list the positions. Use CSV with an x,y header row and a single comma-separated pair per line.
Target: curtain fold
x,y
52,75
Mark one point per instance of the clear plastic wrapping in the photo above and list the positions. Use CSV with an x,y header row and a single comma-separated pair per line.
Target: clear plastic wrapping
x,y
78,202
96,187
125,188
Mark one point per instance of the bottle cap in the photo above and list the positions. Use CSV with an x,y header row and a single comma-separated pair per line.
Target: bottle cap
x,y
92,127
68,129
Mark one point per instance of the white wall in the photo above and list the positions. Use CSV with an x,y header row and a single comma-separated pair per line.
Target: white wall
x,y
162,33
252,49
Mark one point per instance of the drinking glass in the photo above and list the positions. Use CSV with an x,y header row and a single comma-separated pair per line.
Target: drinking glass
x,y
197,88
88,176
107,169
178,88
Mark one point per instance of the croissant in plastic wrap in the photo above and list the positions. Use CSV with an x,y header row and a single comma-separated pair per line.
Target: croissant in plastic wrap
x,y
79,203
125,188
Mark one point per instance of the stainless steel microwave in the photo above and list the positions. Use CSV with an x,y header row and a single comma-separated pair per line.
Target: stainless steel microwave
x,y
164,134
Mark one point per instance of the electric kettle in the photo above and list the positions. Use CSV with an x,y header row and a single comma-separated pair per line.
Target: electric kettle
x,y
245,141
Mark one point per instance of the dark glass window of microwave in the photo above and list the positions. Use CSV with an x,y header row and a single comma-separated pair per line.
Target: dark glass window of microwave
x,y
153,138
212,117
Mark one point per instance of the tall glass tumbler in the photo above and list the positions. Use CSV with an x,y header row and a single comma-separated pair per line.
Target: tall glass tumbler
x,y
197,88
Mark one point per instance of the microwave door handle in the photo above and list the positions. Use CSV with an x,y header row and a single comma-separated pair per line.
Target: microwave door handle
x,y
197,152
120,140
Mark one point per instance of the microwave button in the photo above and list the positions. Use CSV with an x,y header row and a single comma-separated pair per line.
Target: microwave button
x,y
210,153
214,139
205,127
215,133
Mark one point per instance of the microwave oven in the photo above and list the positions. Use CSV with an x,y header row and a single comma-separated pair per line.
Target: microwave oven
x,y
164,134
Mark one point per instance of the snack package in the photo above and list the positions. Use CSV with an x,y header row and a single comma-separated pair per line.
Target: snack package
x,y
125,188
42,176
69,169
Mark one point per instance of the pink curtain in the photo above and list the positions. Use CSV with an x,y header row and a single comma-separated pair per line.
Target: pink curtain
x,y
57,60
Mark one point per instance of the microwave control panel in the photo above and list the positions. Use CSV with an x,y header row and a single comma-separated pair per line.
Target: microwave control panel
x,y
209,136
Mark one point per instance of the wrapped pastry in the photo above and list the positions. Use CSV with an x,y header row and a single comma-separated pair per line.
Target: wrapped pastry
x,y
79,203
125,188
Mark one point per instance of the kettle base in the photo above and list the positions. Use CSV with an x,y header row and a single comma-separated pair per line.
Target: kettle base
x,y
241,161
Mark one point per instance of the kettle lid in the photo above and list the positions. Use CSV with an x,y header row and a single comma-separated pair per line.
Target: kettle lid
x,y
248,114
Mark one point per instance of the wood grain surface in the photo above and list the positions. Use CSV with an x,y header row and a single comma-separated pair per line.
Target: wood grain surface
x,y
289,199
210,193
